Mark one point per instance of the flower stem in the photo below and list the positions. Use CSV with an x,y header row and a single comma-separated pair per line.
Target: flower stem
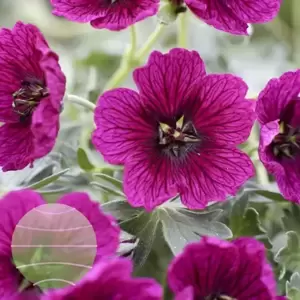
x,y
126,63
150,42
81,101
182,30
132,58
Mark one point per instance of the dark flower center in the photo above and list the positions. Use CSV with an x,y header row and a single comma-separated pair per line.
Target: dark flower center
x,y
28,97
219,297
179,140
287,142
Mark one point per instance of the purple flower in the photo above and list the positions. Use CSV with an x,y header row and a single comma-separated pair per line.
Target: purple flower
x,y
278,111
15,205
110,279
32,88
216,269
179,134
233,15
110,14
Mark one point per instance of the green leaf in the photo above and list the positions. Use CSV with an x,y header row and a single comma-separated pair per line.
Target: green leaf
x,y
181,226
144,226
277,197
121,210
115,182
47,180
291,218
106,189
289,256
83,160
293,287
244,221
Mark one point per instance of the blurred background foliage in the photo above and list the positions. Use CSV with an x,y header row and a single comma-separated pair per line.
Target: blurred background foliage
x,y
88,58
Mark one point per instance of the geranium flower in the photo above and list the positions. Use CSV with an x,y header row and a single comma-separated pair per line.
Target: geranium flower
x,y
32,87
278,111
15,205
216,269
110,14
110,279
232,16
179,134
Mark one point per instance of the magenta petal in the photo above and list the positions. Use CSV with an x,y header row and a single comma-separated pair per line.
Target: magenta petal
x,y
110,279
254,261
288,179
214,174
236,269
287,172
18,50
18,57
255,11
165,81
105,227
206,266
267,134
218,14
78,10
276,95
13,207
186,294
149,180
54,77
44,128
125,13
121,129
220,111
16,147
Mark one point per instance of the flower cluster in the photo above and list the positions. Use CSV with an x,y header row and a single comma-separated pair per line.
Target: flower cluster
x,y
177,135
278,112
227,15
209,269
180,132
32,88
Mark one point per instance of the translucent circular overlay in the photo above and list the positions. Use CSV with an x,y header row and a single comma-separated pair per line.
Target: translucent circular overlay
x,y
54,246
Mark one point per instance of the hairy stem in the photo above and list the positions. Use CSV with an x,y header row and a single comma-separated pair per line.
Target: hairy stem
x,y
182,30
146,48
126,62
81,101
133,58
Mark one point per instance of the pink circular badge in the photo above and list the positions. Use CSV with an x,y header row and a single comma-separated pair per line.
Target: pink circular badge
x,y
54,245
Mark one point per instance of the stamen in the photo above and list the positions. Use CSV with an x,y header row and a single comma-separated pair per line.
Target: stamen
x,y
179,123
27,98
287,142
178,142
165,127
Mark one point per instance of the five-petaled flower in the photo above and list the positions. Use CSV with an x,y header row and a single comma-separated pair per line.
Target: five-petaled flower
x,y
109,14
179,134
232,15
15,205
110,279
32,88
278,112
215,269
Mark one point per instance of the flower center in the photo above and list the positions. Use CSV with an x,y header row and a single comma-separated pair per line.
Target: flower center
x,y
287,142
28,97
219,297
179,140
